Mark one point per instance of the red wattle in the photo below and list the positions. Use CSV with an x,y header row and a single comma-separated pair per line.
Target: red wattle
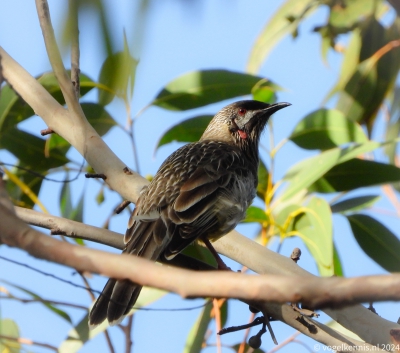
x,y
242,134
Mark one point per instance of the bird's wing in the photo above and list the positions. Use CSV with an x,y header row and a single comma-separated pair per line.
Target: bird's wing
x,y
177,206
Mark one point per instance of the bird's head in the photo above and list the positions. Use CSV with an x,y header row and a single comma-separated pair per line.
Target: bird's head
x,y
241,123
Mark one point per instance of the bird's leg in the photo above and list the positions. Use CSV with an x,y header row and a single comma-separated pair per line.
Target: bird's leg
x,y
221,264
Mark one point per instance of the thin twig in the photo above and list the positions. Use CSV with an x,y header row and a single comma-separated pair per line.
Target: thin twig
x,y
75,53
28,341
108,340
128,335
45,301
217,315
54,54
246,336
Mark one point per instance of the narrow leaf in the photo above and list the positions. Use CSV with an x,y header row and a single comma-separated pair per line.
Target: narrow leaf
x,y
255,214
263,177
189,130
283,22
377,241
306,172
9,328
317,234
199,88
356,173
354,204
324,129
117,73
49,306
98,117
195,339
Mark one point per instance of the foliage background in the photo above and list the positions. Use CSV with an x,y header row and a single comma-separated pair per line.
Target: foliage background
x,y
176,38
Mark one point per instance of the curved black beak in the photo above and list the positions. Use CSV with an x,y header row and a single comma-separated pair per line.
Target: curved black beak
x,y
275,107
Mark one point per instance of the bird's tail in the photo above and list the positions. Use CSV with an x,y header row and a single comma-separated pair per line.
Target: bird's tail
x,y
144,239
114,302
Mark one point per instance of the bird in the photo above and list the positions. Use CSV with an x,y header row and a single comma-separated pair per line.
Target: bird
x,y
200,192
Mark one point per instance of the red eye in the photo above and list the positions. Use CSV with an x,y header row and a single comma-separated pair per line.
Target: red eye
x,y
242,111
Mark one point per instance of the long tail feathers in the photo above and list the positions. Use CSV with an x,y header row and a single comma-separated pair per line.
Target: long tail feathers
x,y
114,303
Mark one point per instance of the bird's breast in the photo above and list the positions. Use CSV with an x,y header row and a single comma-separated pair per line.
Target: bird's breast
x,y
232,204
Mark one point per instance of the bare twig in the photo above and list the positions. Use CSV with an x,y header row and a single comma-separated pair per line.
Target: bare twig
x,y
46,301
96,176
47,131
56,62
29,342
124,204
75,71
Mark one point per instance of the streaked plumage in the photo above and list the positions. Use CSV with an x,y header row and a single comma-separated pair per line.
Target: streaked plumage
x,y
201,190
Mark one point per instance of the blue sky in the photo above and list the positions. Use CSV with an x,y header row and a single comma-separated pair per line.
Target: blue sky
x,y
178,38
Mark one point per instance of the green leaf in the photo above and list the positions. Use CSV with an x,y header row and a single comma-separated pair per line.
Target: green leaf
x,y
337,264
195,339
31,180
345,14
255,214
366,89
377,241
49,306
29,149
68,210
283,22
354,204
98,117
9,328
263,177
349,63
316,232
50,83
356,173
66,200
100,196
393,126
287,217
199,88
306,172
118,75
189,130
324,129
13,108
264,91
200,252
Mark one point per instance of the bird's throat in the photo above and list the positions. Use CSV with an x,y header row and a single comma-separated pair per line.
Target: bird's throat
x,y
242,134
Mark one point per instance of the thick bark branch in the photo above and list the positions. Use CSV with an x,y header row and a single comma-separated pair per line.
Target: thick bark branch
x,y
278,289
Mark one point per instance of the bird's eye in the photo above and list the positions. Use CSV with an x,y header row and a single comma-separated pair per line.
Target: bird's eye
x,y
242,111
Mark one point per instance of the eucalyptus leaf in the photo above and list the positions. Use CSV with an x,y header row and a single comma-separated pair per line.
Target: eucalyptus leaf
x,y
117,74
9,328
303,174
377,241
317,234
255,214
354,204
324,129
194,341
283,22
199,88
354,174
189,130
263,177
